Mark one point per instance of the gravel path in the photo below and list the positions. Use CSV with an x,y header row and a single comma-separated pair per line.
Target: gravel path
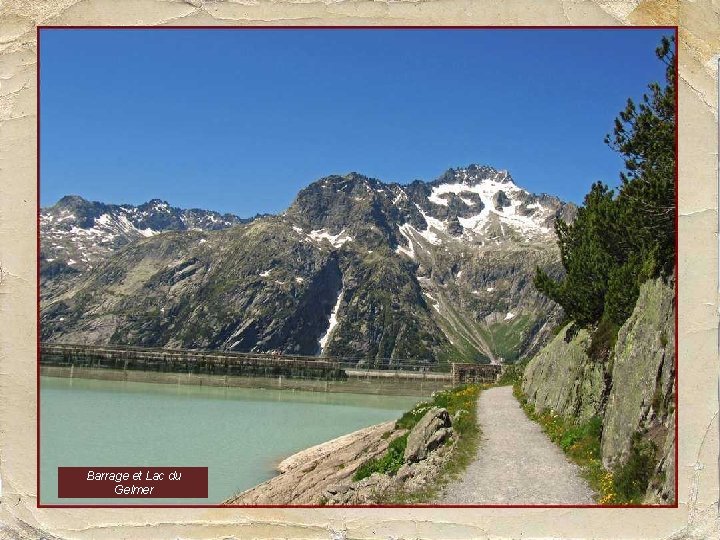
x,y
516,462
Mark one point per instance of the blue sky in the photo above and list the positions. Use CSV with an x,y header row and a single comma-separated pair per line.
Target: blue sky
x,y
240,120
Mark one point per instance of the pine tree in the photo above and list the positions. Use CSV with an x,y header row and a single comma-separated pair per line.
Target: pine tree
x,y
645,136
617,242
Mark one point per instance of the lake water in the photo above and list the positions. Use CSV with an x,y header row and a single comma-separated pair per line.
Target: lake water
x,y
240,434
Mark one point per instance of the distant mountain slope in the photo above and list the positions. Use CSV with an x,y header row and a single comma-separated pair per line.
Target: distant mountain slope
x,y
430,271
77,234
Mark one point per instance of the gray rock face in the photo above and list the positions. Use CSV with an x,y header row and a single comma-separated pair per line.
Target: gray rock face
x,y
501,200
643,392
634,393
562,378
662,490
433,429
322,472
454,227
366,491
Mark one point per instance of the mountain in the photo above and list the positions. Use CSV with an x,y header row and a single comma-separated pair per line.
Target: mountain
x,y
429,272
76,234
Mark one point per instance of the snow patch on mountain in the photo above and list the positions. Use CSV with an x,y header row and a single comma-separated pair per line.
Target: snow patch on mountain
x,y
400,196
336,240
489,190
433,223
430,236
435,304
332,322
405,229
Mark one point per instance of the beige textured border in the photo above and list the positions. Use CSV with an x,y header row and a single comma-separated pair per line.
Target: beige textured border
x,y
697,516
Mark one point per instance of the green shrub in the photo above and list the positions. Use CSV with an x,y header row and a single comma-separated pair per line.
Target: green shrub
x,y
603,339
454,400
622,291
413,416
631,479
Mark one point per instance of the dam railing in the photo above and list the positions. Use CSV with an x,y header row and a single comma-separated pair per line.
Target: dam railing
x,y
209,362
229,362
267,370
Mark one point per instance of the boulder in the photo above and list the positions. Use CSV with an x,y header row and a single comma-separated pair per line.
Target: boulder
x,y
433,429
404,472
367,491
337,490
562,378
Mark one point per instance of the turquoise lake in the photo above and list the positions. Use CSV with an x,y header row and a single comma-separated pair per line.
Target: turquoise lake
x,y
240,434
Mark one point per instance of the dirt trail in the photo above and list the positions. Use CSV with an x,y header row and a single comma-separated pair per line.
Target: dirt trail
x,y
516,462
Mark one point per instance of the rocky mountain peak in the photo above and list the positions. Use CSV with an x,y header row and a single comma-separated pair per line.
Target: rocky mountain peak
x,y
71,200
155,205
474,174
346,183
474,204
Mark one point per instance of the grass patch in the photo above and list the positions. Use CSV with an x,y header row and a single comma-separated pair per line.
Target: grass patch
x,y
462,350
462,406
631,480
389,463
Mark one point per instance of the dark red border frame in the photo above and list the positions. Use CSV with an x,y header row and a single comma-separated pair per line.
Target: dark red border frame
x,y
359,27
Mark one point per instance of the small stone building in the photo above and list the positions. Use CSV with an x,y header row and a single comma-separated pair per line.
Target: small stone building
x,y
475,373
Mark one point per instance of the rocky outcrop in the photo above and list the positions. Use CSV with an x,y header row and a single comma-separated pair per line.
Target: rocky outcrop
x,y
642,399
633,392
433,429
563,379
304,477
324,473
380,488
426,453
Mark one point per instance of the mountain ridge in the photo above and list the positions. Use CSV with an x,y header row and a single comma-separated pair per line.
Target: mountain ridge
x,y
354,267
